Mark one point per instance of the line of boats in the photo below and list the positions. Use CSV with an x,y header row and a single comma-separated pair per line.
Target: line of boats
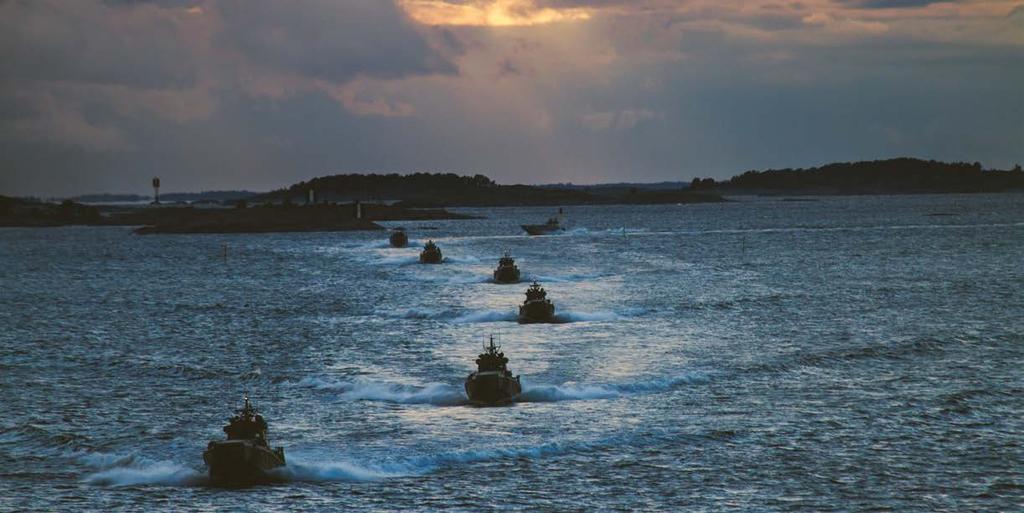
x,y
246,456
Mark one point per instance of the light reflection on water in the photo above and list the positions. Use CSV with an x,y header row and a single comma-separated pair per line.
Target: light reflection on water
x,y
758,355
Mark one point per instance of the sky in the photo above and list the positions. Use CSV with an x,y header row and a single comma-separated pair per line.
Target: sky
x,y
102,95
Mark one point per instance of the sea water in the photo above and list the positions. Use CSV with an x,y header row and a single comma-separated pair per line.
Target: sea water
x,y
840,354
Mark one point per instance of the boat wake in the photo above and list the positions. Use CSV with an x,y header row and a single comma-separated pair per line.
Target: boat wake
x,y
564,317
486,316
461,260
438,394
137,471
575,392
578,231
441,394
398,260
454,316
132,470
569,278
414,465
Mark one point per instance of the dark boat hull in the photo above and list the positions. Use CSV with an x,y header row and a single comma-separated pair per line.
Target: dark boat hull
x,y
430,257
242,462
492,388
398,240
540,229
537,311
506,275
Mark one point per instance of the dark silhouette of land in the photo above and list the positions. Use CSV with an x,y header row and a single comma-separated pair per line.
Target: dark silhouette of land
x,y
421,196
450,190
205,197
893,176
241,218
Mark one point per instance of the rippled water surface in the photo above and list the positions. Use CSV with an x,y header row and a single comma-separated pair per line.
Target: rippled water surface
x,y
854,354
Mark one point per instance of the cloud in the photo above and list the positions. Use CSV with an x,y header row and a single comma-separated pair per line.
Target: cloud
x,y
617,120
491,13
329,39
102,94
85,42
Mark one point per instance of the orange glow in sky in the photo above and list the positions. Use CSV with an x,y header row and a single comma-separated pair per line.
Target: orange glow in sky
x,y
494,13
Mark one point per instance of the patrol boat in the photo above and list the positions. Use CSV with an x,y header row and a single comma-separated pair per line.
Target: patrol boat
x,y
431,254
537,307
245,457
552,225
398,238
507,271
492,384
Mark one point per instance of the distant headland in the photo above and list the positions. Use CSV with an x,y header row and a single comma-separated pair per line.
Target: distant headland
x,y
451,190
892,176
237,218
355,201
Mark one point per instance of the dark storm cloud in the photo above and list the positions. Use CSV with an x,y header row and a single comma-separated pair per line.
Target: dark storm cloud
x,y
329,39
97,91
82,42
102,95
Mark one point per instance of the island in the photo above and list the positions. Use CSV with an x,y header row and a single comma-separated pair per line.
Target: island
x,y
240,218
891,176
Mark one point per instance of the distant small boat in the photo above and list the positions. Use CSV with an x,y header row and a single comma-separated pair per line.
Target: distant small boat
x,y
537,307
552,225
398,238
507,271
492,384
431,254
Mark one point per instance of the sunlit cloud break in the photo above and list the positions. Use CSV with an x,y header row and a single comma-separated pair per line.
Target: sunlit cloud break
x,y
494,13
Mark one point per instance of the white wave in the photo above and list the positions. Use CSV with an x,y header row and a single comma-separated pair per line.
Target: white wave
x,y
374,244
661,385
622,230
438,394
472,316
398,260
555,393
418,313
131,470
302,470
462,259
299,469
598,316
425,464
486,316
569,278
464,279
571,392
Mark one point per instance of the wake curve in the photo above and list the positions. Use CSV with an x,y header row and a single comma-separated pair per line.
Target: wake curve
x,y
573,392
132,470
438,394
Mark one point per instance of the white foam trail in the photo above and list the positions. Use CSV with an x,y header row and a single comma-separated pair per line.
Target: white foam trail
x,y
452,315
418,313
598,316
486,316
455,280
130,470
555,393
439,394
376,244
571,392
606,231
425,464
462,259
301,470
398,260
570,278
